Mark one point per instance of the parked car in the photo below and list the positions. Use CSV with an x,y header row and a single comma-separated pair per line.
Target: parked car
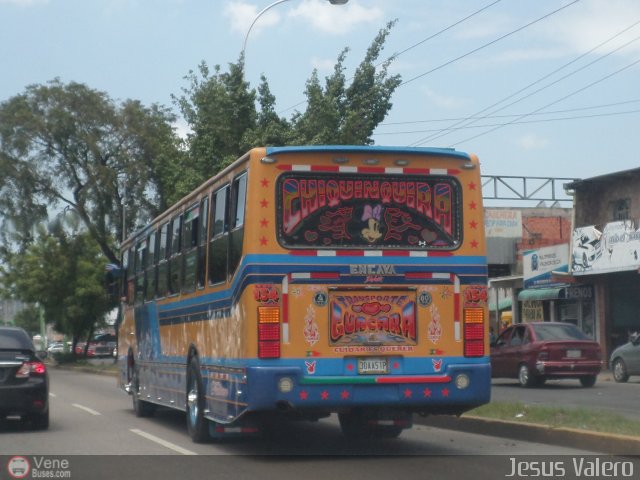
x,y
535,352
55,347
101,346
24,380
625,360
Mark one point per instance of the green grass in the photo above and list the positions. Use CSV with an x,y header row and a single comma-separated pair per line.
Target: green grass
x,y
560,417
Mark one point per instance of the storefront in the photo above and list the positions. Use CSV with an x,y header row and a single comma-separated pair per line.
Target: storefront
x,y
571,303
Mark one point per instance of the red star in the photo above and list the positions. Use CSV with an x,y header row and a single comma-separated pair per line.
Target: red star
x,y
473,224
344,395
265,183
263,241
407,393
350,367
324,395
445,392
264,223
472,186
427,392
304,395
264,203
472,206
396,365
474,244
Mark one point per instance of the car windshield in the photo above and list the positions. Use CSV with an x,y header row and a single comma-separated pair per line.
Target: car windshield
x,y
14,340
558,332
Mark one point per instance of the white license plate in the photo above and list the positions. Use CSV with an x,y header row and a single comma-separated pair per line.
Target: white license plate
x,y
373,365
574,353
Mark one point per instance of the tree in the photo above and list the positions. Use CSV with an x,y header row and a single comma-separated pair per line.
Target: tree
x,y
69,146
64,273
221,111
29,319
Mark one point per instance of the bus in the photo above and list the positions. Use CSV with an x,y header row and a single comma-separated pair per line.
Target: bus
x,y
307,281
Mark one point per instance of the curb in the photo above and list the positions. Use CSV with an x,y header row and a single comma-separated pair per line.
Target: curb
x,y
606,443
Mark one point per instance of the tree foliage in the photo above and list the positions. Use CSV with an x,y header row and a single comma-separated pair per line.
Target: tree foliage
x,y
69,146
64,274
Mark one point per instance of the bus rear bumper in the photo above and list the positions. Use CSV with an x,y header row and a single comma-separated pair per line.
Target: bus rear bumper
x,y
461,387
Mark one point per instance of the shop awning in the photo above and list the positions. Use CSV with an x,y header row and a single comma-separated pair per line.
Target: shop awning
x,y
502,304
541,294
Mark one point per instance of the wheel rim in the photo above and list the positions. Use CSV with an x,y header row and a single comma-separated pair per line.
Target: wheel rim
x,y
192,401
524,375
618,370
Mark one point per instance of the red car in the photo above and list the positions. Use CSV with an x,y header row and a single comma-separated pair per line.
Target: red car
x,y
534,352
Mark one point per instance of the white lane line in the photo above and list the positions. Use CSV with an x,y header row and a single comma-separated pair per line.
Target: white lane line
x,y
86,409
52,395
164,443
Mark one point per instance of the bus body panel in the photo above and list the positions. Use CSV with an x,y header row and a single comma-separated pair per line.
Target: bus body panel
x,y
355,326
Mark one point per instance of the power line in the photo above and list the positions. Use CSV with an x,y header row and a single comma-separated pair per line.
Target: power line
x,y
516,122
605,105
600,80
396,55
471,52
477,116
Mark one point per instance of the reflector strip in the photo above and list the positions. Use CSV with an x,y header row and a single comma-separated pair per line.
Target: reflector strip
x,y
375,380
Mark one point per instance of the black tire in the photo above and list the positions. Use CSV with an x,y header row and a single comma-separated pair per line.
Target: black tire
x,y
39,421
197,425
525,377
619,369
588,381
141,407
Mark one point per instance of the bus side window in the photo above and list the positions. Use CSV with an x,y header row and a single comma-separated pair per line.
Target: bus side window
x,y
239,194
129,273
190,244
141,254
175,257
163,265
202,241
219,243
150,264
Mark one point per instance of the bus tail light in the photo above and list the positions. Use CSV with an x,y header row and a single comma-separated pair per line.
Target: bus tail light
x,y
268,332
474,334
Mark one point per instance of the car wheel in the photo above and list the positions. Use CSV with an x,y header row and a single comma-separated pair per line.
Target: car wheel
x,y
197,425
588,381
525,377
620,374
140,407
40,421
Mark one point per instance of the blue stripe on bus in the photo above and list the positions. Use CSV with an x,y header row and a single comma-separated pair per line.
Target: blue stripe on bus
x,y
272,269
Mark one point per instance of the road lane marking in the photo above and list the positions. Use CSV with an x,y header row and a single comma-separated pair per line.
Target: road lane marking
x,y
162,442
86,409
52,395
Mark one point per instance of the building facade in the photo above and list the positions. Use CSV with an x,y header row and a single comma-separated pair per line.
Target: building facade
x,y
605,251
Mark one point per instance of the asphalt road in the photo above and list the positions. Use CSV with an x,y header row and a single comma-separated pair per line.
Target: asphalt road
x,y
93,426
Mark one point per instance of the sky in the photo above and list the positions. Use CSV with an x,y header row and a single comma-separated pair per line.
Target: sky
x,y
551,86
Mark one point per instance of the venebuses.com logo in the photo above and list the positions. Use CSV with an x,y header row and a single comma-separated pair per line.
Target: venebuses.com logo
x,y
38,467
18,467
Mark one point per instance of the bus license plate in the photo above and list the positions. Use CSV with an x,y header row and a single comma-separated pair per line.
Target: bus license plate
x,y
373,365
574,353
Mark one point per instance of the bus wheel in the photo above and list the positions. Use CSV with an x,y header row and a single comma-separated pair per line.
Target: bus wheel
x,y
140,407
196,423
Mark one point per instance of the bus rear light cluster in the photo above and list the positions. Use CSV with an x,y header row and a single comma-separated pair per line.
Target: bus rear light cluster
x,y
474,332
268,332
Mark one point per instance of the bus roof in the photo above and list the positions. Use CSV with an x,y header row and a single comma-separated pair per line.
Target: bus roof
x,y
447,152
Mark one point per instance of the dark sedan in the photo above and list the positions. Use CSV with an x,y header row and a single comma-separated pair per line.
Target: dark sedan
x,y
24,381
535,352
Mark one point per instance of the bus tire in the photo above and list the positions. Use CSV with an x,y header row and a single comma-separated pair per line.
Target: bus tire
x,y
140,407
197,425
